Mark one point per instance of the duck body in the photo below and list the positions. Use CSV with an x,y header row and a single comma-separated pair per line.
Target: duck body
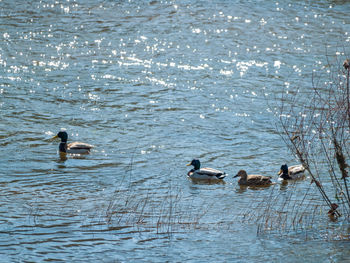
x,y
294,172
198,173
253,179
74,147
206,174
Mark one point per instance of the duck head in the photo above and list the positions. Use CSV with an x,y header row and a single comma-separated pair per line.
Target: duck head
x,y
196,164
62,134
242,174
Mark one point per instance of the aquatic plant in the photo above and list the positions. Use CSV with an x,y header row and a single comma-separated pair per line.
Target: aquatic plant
x,y
142,212
162,211
315,125
318,136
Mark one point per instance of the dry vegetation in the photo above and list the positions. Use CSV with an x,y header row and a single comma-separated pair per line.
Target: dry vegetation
x,y
315,126
162,210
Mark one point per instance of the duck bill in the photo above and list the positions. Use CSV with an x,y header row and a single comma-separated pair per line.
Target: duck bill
x,y
188,164
53,138
236,176
280,172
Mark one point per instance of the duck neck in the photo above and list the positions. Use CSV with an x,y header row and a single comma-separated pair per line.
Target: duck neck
x,y
63,147
285,176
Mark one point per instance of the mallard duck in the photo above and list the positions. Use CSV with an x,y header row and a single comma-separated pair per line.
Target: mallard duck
x,y
292,173
252,179
74,147
204,173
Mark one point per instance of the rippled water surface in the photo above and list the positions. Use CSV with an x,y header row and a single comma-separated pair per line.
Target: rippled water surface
x,y
152,85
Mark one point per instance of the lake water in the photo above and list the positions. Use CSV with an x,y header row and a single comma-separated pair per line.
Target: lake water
x,y
152,85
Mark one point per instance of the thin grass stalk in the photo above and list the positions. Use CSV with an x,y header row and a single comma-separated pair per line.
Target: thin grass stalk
x,y
347,67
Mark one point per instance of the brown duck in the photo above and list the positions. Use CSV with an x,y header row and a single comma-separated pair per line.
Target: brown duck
x,y
252,179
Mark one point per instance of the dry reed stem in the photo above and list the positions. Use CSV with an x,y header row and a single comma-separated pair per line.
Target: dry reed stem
x,y
317,132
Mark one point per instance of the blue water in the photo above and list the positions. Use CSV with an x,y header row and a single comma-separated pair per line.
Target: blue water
x,y
153,85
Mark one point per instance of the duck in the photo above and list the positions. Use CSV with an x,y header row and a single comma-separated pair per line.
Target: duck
x,y
204,173
74,147
252,179
291,173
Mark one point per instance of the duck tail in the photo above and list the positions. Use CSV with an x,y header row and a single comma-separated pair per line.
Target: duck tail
x,y
221,176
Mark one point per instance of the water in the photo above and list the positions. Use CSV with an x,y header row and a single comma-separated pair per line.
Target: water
x,y
153,85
